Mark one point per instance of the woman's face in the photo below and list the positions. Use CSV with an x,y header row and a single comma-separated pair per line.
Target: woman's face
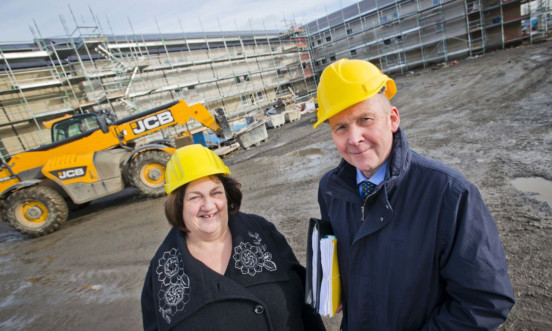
x,y
205,211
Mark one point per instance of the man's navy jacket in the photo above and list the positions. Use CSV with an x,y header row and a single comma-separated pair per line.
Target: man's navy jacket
x,y
422,252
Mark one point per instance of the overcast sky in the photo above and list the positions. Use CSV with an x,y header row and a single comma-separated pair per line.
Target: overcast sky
x,y
17,17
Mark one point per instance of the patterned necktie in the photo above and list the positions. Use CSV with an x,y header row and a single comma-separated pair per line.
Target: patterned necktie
x,y
366,188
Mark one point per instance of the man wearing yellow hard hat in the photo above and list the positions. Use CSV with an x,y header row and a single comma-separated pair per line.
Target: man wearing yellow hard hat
x,y
417,247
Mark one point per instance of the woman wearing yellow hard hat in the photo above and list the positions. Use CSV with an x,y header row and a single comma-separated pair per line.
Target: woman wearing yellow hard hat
x,y
219,268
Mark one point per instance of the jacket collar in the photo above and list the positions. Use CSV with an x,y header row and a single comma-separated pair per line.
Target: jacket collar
x,y
400,158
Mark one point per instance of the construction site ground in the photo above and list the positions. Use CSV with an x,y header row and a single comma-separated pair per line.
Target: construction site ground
x,y
488,116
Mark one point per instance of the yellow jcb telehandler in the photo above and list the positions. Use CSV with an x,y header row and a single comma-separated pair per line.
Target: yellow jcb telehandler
x,y
91,156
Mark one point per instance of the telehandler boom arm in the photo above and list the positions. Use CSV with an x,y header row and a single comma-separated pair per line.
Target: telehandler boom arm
x,y
178,112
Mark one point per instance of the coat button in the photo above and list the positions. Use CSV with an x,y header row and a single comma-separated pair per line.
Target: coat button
x,y
259,309
381,219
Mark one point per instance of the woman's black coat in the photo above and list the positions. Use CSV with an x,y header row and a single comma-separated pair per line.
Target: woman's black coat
x,y
262,288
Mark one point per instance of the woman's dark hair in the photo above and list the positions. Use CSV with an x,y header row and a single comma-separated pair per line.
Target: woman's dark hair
x,y
175,201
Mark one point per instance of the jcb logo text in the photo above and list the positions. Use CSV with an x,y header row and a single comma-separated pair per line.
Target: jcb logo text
x,y
71,173
152,122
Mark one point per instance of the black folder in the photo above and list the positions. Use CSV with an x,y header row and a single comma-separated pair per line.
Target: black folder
x,y
324,228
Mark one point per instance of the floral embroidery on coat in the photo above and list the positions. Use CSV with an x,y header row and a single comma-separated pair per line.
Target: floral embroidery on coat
x,y
175,284
251,259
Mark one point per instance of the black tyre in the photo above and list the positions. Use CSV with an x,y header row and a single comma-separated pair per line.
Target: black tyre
x,y
35,210
147,172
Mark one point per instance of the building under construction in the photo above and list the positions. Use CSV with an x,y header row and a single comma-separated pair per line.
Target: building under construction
x,y
242,71
400,35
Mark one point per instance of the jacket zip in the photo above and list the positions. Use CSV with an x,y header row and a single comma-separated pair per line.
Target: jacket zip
x,y
364,205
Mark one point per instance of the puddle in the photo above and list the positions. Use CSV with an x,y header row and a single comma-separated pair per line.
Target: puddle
x,y
541,187
8,234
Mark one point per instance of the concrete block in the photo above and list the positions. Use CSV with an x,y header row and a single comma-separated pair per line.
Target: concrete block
x,y
252,134
292,115
274,121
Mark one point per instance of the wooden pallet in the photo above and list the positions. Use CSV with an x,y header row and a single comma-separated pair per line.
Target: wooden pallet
x,y
227,150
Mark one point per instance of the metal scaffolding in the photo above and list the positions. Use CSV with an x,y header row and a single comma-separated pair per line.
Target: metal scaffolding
x,y
87,71
400,35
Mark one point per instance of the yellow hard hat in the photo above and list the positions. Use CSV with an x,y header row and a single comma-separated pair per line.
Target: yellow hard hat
x,y
348,82
192,162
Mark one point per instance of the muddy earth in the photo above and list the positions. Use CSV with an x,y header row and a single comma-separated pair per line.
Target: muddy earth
x,y
490,117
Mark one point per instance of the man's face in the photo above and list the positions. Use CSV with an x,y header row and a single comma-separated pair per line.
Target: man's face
x,y
363,133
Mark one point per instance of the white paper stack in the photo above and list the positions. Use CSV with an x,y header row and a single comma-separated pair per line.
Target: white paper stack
x,y
327,287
